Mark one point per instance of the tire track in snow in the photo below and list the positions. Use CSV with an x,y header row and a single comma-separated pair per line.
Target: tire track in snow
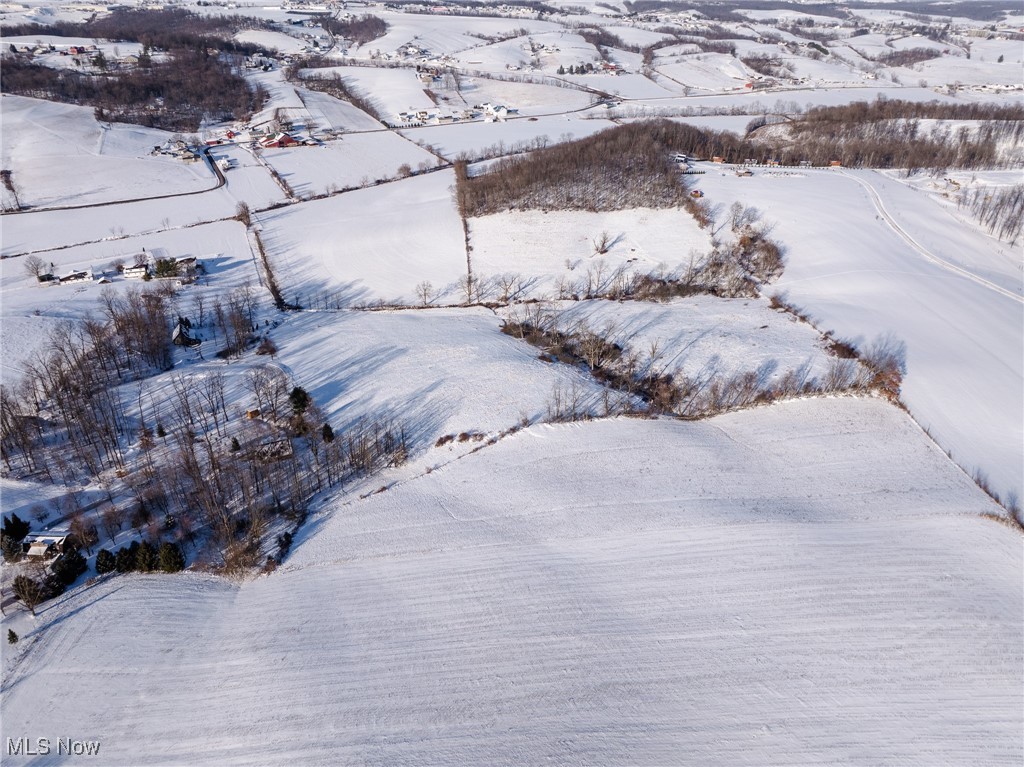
x,y
876,200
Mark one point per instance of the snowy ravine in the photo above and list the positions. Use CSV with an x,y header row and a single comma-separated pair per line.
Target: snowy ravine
x,y
808,583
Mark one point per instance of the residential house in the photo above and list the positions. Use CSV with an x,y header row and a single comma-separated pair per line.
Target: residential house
x,y
45,545
180,336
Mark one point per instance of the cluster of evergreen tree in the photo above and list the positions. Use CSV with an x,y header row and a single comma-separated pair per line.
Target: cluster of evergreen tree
x,y
141,557
579,69
11,536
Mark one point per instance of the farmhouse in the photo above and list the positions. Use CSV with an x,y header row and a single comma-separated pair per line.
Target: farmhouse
x,y
178,149
76,277
136,272
278,141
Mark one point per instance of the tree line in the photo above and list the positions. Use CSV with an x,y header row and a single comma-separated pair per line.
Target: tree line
x,y
360,29
167,29
631,165
897,109
177,94
651,387
198,80
981,10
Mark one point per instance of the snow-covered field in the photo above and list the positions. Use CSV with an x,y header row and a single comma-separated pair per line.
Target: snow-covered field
x,y
867,256
248,180
328,112
706,72
60,155
351,160
33,232
393,90
438,372
806,584
443,34
370,244
545,246
702,336
278,41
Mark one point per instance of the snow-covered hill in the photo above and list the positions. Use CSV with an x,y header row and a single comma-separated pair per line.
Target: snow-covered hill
x,y
802,584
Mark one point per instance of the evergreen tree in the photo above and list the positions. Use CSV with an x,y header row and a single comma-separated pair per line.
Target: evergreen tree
x,y
561,69
328,433
171,558
15,527
12,638
235,446
299,399
124,560
146,559
160,430
69,567
105,562
11,548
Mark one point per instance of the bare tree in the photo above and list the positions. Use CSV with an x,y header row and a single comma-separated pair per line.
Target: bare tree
x,y
29,590
468,284
509,286
112,519
424,291
35,267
